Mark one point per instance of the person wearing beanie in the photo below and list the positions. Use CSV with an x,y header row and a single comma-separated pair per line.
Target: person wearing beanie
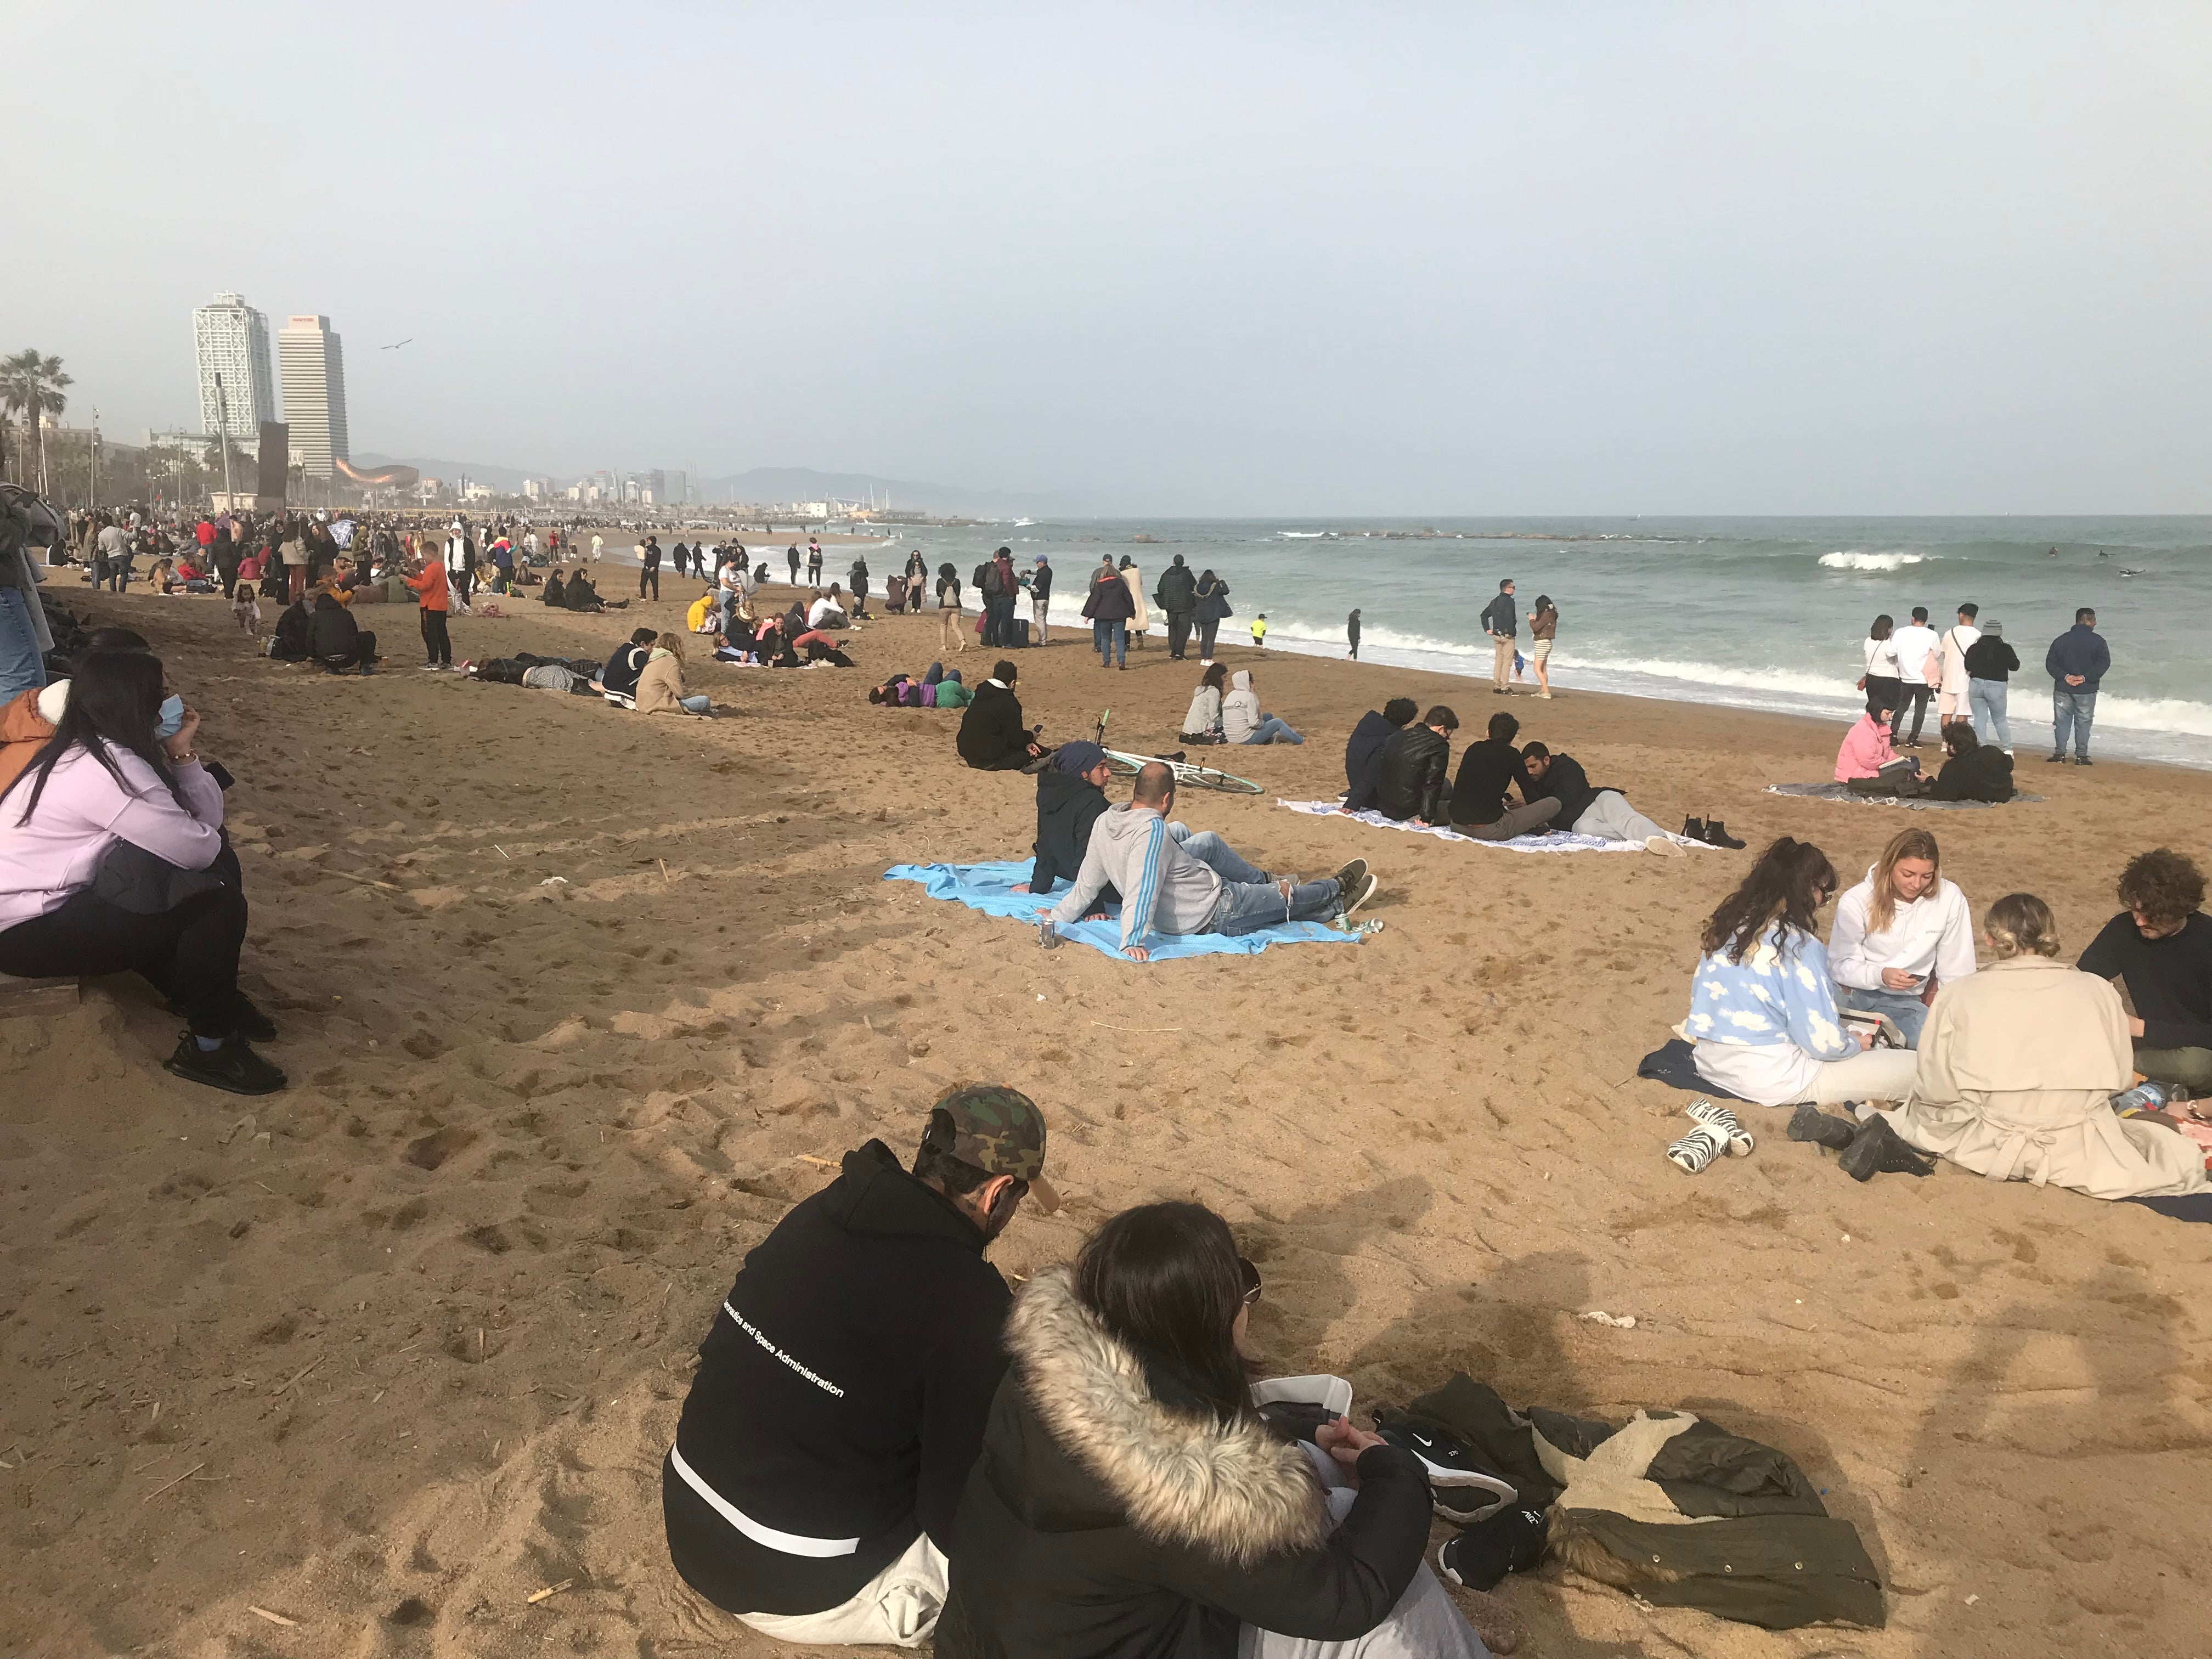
x,y
1363,752
1070,797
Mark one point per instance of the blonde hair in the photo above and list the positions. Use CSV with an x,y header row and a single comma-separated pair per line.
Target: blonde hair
x,y
1905,844
671,641
2021,923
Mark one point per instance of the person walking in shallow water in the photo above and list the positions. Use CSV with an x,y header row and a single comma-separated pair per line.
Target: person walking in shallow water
x,y
1351,633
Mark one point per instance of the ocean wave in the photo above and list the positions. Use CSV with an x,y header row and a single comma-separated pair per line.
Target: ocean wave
x,y
1870,560
1303,535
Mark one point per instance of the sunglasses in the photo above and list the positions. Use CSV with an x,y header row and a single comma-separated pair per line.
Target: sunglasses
x,y
1250,1275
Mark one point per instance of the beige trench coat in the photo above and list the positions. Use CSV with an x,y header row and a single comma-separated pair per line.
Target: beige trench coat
x,y
2017,1068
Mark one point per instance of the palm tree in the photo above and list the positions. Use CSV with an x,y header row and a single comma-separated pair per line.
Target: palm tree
x,y
33,386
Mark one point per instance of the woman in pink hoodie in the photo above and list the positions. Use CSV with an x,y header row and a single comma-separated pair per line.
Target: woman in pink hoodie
x,y
1866,748
79,894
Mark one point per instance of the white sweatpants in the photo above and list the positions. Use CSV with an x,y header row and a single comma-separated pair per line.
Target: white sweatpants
x,y
898,1605
1611,817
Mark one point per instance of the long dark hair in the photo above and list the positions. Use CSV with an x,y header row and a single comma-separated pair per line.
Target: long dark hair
x,y
1217,676
1882,624
114,698
1164,1279
1790,882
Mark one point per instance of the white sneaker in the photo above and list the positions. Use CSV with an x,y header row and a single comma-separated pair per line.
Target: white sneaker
x,y
1665,846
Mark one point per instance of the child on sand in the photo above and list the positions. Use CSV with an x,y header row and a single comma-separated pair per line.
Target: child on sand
x,y
1260,632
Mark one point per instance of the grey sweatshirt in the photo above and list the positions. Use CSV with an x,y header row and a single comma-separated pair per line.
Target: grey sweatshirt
x,y
1163,888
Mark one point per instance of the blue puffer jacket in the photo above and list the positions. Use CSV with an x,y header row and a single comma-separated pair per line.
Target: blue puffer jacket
x,y
2080,650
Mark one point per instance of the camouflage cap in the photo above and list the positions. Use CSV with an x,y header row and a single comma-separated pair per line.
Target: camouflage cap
x,y
999,1130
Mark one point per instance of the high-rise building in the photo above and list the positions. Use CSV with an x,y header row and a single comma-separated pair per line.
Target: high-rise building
x,y
314,393
231,339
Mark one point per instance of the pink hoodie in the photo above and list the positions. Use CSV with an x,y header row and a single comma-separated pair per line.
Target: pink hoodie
x,y
84,812
1866,750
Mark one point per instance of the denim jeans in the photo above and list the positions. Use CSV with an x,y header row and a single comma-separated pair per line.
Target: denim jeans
x,y
21,669
698,703
1987,700
1272,729
1111,636
1249,898
1905,1007
2071,710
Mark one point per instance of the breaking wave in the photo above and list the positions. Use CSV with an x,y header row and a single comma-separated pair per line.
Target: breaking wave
x,y
1870,560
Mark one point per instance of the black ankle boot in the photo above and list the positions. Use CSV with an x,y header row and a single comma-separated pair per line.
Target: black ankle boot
x,y
1810,1123
1717,835
1693,829
1877,1149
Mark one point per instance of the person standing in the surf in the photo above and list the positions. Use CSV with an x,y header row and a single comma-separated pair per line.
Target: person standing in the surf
x,y
1352,633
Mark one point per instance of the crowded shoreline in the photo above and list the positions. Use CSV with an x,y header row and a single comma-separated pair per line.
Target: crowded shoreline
x,y
456,937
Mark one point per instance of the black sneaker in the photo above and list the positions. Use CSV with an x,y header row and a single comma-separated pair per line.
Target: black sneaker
x,y
2055,760
1717,835
1810,1123
1348,878
1353,895
2081,760
234,1066
1877,1149
1512,1541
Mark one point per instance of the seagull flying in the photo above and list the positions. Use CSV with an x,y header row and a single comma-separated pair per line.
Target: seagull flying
x,y
396,344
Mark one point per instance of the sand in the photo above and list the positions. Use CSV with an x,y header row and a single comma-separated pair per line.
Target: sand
x,y
389,1354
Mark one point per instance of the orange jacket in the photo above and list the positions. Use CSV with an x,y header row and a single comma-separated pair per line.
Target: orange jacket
x,y
430,590
23,733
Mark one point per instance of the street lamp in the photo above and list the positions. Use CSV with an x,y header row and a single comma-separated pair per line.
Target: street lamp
x,y
222,431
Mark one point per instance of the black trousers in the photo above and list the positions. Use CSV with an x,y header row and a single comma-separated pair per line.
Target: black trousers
x,y
1178,633
1206,631
189,954
436,646
648,573
364,651
1915,697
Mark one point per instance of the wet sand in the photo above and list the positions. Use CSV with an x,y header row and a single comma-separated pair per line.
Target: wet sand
x,y
390,1353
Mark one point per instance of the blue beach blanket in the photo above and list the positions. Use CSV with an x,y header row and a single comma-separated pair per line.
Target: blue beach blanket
x,y
990,888
1550,840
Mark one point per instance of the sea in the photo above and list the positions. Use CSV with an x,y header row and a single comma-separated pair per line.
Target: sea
x,y
1748,613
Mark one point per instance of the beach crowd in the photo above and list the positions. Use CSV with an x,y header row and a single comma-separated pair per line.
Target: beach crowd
x,y
883,1444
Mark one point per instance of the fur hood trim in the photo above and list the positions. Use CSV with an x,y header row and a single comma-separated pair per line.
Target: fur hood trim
x,y
1236,1491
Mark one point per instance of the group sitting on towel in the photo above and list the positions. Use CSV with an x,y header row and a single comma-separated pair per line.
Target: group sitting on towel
x,y
1867,764
1401,768
1080,1469
1173,882
2010,1071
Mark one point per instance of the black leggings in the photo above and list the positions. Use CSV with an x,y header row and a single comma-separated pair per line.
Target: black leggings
x,y
436,646
189,954
1206,632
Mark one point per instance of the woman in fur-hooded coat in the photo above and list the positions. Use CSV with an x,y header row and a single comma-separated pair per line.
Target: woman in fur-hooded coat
x,y
1113,1514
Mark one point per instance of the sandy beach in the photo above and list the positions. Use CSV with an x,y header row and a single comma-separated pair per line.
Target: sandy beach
x,y
576,1003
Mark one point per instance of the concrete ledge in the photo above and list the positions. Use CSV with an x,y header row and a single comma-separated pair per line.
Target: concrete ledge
x,y
36,998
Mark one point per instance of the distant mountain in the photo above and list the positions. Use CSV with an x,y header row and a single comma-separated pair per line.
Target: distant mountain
x,y
770,484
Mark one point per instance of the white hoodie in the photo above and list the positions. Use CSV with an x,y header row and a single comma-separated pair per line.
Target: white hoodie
x,y
1240,710
1934,933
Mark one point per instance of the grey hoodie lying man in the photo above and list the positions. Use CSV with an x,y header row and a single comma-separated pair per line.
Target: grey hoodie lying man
x,y
1173,882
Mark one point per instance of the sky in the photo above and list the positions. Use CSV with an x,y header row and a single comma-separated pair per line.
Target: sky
x,y
1272,259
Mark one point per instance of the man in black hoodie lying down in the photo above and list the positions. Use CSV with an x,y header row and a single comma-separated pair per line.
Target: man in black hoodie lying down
x,y
843,1387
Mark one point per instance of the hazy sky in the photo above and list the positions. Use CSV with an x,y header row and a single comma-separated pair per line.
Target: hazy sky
x,y
1544,257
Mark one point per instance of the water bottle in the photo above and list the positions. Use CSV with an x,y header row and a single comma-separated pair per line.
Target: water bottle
x,y
2145,1096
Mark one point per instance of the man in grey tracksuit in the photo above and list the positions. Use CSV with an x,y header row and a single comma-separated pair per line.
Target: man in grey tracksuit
x,y
1173,882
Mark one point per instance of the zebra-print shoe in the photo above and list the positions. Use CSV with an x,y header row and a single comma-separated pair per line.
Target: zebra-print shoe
x,y
1721,1118
1695,1151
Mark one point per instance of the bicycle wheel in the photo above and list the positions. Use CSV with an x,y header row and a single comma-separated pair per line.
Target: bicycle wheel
x,y
1206,777
1122,766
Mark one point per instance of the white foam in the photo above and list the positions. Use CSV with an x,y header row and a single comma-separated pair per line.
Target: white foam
x,y
1871,561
